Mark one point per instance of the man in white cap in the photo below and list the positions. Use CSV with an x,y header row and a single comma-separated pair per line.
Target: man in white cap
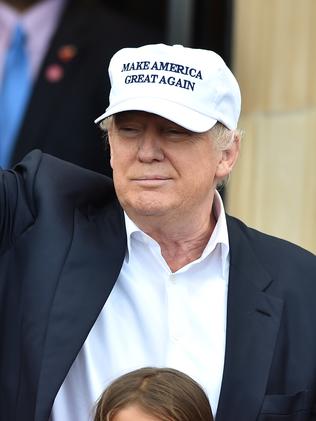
x,y
99,280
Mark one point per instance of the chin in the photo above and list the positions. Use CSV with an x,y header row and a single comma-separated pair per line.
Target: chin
x,y
145,206
144,210
147,203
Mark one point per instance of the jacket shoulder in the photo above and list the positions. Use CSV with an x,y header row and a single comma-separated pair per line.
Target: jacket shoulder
x,y
261,240
280,258
46,190
45,175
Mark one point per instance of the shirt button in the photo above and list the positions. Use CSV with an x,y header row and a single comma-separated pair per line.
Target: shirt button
x,y
172,277
175,338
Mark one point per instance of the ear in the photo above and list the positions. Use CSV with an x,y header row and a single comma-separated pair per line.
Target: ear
x,y
228,159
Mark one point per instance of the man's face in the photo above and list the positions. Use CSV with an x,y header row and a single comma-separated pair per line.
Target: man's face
x,y
160,168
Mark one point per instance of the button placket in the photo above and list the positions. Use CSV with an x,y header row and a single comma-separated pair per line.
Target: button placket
x,y
174,300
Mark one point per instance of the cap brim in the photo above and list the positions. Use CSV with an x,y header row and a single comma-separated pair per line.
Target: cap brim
x,y
183,116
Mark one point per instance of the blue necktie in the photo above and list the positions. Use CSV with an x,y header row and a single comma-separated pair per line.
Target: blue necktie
x,y
14,92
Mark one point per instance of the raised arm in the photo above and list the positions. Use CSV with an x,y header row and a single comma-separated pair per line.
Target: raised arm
x,y
16,214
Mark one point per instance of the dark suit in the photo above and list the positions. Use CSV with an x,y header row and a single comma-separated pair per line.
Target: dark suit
x,y
62,244
60,115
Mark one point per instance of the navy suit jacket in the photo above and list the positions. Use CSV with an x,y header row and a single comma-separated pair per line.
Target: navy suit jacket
x,y
62,245
60,115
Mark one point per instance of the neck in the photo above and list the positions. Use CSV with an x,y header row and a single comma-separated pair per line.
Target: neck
x,y
180,243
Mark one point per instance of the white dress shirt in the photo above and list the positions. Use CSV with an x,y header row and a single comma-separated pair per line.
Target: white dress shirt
x,y
154,317
39,23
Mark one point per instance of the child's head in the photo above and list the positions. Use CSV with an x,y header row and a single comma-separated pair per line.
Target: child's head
x,y
154,394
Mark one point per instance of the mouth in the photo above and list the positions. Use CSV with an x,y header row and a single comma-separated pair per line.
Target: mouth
x,y
151,177
151,180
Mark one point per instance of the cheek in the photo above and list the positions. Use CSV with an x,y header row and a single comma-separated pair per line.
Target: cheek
x,y
203,167
122,154
111,161
116,155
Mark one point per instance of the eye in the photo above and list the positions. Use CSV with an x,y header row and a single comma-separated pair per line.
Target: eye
x,y
177,132
128,131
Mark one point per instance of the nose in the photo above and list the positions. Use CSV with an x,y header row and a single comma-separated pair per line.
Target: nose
x,y
150,147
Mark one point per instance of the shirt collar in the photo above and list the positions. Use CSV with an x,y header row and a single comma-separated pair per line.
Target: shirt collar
x,y
219,235
218,238
9,16
40,18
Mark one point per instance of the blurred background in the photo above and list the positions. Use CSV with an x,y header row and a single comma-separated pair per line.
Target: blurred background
x,y
270,46
273,187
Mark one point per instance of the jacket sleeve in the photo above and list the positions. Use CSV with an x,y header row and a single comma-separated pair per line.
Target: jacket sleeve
x,y
17,212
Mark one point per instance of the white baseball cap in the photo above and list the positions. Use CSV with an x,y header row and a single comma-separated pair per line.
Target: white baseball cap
x,y
191,87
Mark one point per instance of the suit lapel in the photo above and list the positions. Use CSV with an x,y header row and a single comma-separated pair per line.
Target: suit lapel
x,y
90,271
253,319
